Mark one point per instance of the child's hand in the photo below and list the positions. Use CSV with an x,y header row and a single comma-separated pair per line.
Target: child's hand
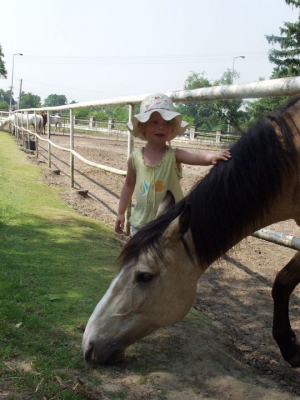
x,y
119,223
222,156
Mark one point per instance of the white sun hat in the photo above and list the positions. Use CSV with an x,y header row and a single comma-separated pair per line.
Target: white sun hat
x,y
156,103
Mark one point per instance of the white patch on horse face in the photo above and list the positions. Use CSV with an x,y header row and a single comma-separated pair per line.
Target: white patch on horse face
x,y
101,306
133,307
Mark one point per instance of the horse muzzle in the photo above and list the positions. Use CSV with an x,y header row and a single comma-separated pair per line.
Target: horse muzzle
x,y
101,353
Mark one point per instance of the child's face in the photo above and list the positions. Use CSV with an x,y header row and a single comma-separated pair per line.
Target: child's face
x,y
157,129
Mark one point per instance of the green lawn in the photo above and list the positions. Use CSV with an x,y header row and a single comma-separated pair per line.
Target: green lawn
x,y
54,267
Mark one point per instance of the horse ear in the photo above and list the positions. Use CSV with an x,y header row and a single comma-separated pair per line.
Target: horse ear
x,y
167,203
179,226
184,219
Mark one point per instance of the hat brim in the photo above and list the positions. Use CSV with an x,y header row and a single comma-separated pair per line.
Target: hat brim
x,y
137,130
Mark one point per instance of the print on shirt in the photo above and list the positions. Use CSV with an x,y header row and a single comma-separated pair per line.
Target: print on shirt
x,y
159,186
144,187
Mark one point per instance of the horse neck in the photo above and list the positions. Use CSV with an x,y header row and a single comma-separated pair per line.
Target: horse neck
x,y
235,200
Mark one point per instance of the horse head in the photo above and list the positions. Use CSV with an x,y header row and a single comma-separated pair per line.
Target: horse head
x,y
138,300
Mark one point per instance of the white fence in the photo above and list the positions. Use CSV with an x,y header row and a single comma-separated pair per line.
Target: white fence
x,y
270,88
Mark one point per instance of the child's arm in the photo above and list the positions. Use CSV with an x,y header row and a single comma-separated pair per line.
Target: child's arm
x,y
126,194
201,158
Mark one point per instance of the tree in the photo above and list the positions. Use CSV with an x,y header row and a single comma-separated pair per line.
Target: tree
x,y
196,113
82,113
55,100
212,115
3,105
229,112
3,72
121,113
5,96
260,108
286,59
29,100
287,64
100,114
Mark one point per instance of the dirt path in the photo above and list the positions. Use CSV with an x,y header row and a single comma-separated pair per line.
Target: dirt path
x,y
235,357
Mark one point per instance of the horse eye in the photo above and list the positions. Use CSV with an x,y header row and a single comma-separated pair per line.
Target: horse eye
x,y
144,277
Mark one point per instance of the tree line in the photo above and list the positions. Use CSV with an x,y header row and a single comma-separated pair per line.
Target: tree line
x,y
208,115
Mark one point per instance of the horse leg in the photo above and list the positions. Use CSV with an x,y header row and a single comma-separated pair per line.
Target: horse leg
x,y
286,281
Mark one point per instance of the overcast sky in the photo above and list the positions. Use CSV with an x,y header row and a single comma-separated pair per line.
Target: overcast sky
x,y
100,49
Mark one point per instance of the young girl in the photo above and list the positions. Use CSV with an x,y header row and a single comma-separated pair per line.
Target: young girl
x,y
156,167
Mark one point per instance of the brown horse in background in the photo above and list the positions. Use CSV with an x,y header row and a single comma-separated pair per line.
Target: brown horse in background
x,y
54,120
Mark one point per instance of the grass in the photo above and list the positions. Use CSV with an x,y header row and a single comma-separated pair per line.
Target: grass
x,y
53,265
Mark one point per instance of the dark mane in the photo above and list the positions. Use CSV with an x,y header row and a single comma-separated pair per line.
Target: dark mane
x,y
233,195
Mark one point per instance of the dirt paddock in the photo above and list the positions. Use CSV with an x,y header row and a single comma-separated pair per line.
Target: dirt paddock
x,y
234,357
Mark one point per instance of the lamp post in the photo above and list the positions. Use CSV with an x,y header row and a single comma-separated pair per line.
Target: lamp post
x,y
233,66
12,79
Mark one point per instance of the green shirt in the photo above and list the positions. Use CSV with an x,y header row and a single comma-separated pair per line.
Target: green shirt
x,y
152,183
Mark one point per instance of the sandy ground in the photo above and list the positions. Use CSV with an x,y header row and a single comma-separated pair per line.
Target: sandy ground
x,y
234,357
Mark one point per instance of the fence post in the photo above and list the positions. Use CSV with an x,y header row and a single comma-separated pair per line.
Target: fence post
x,y
218,136
16,125
192,132
36,138
48,136
111,122
92,122
27,124
71,148
130,146
18,128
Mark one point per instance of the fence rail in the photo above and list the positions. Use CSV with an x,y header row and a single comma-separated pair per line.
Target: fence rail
x,y
271,88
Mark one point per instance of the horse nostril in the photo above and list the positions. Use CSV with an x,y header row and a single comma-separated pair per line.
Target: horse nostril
x,y
89,353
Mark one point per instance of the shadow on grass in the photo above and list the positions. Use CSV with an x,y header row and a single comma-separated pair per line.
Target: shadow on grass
x,y
52,274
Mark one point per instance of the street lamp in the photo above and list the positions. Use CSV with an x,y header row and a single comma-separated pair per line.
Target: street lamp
x,y
233,66
12,79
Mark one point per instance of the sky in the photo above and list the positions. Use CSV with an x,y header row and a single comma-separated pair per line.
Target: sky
x,y
91,50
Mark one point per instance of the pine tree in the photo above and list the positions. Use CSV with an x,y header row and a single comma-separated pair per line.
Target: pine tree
x,y
3,72
287,60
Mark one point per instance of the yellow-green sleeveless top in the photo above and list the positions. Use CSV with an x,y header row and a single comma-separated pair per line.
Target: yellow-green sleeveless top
x,y
152,183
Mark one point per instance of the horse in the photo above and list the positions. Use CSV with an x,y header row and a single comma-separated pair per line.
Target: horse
x,y
161,264
54,120
21,120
